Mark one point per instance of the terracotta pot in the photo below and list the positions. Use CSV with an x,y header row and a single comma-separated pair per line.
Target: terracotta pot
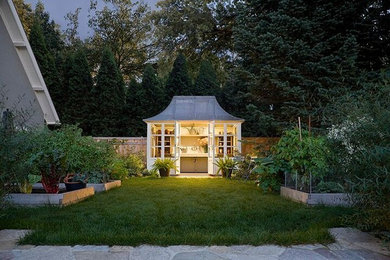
x,y
50,184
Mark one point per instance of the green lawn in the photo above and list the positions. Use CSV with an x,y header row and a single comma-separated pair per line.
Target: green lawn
x,y
175,211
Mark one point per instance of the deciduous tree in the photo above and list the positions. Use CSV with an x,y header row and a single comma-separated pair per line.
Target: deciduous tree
x,y
122,26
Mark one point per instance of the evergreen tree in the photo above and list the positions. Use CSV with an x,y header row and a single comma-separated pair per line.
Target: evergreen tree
x,y
149,99
131,108
206,83
179,83
46,64
296,57
79,90
108,99
66,69
50,30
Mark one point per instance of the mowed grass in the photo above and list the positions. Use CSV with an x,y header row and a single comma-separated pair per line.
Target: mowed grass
x,y
174,211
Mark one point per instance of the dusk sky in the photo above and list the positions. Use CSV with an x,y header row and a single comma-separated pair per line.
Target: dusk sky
x,y
59,8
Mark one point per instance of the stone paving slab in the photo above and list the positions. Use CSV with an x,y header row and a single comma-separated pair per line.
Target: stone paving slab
x,y
352,238
350,244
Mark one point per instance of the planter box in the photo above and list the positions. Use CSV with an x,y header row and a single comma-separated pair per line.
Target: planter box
x,y
329,199
100,187
42,199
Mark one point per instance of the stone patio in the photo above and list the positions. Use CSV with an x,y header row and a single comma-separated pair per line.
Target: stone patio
x,y
350,244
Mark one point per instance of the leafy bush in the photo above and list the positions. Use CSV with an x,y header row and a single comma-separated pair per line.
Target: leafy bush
x,y
329,187
56,153
134,165
244,169
301,157
98,176
360,144
118,170
15,147
152,173
268,173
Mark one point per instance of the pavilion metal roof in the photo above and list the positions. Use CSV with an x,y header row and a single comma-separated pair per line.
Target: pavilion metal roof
x,y
197,108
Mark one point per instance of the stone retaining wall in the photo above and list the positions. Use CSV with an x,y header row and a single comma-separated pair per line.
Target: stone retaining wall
x,y
329,199
100,187
42,199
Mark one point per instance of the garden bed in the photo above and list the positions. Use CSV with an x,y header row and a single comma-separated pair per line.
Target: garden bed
x,y
42,199
329,199
100,187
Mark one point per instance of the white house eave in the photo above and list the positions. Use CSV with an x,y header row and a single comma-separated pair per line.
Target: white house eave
x,y
16,32
198,121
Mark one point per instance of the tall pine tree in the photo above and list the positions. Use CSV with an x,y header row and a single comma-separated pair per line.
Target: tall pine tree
x,y
206,83
46,64
131,109
108,99
150,99
179,83
79,89
296,57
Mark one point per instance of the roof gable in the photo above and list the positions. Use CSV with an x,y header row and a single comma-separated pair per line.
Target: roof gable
x,y
196,108
23,64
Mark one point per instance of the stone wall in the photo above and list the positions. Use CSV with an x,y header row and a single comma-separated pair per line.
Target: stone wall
x,y
132,145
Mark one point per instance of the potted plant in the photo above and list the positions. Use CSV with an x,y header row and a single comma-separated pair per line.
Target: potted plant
x,y
76,181
164,166
225,166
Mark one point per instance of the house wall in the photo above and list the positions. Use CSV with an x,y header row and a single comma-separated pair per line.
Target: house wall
x,y
15,89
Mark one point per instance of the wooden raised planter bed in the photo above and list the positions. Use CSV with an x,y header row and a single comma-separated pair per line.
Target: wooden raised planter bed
x,y
42,199
329,199
100,187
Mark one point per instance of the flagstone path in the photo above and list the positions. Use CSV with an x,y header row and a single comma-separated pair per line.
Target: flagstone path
x,y
350,244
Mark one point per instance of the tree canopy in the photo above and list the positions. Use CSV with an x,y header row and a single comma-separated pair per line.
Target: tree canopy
x,y
179,82
107,98
266,61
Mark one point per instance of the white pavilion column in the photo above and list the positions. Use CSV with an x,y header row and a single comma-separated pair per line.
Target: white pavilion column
x,y
224,140
239,137
177,146
211,148
162,141
148,147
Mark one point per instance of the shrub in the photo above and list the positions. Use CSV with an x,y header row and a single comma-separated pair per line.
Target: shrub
x,y
301,157
56,153
245,168
98,176
15,147
134,165
152,173
268,173
329,187
360,144
118,169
